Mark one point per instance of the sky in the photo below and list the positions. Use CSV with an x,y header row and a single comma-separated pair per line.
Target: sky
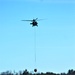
x,y
53,39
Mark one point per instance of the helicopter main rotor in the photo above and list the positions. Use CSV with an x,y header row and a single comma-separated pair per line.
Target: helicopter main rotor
x,y
33,20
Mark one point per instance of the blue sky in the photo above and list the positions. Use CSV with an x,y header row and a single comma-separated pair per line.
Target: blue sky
x,y
55,35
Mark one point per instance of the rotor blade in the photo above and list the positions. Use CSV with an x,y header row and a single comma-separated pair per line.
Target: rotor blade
x,y
40,19
36,19
26,20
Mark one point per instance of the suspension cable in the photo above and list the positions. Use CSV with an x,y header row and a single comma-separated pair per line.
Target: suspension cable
x,y
35,45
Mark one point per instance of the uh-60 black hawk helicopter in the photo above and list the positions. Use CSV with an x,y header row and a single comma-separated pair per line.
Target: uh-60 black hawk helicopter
x,y
33,22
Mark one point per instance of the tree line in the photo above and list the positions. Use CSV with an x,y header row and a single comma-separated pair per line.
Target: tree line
x,y
26,72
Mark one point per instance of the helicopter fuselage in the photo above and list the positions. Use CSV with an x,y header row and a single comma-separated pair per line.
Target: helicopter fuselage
x,y
34,23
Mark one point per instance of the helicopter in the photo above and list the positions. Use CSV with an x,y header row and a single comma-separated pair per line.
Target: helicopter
x,y
33,22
